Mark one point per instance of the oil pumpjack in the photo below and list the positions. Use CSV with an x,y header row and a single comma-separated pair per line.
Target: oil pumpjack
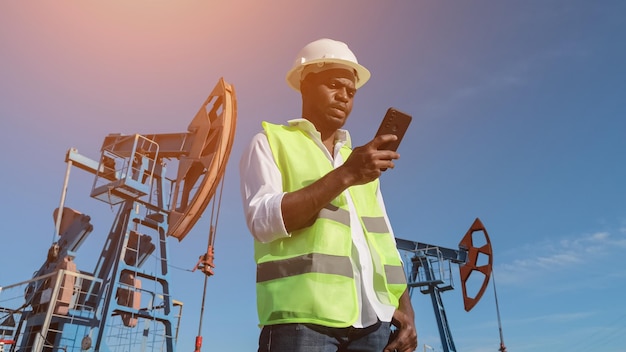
x,y
428,267
125,303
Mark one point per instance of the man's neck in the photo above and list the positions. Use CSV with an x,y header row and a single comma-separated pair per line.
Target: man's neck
x,y
329,142
328,137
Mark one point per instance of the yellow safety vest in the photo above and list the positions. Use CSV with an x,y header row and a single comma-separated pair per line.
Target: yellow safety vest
x,y
308,277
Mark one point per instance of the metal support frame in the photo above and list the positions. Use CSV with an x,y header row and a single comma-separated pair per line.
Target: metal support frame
x,y
119,262
435,296
431,282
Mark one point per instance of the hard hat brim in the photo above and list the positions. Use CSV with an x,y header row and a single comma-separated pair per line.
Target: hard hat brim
x,y
294,75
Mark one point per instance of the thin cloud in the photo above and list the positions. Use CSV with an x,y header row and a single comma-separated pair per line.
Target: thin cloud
x,y
560,255
552,318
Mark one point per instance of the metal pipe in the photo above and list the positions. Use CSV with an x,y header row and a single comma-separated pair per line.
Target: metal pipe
x,y
57,227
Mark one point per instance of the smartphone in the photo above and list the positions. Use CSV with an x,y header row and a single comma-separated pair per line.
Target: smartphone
x,y
395,122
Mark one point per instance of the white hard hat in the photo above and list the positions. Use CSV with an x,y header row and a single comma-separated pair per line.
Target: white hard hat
x,y
324,51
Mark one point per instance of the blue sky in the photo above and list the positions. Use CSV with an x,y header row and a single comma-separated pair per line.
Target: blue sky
x,y
519,119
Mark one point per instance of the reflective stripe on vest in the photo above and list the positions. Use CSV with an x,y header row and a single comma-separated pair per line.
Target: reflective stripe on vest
x,y
335,213
372,224
395,275
308,263
375,224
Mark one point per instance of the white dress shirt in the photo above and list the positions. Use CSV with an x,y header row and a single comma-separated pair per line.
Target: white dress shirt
x,y
262,193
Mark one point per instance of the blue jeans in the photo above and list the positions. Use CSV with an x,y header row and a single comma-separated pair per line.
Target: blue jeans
x,y
316,338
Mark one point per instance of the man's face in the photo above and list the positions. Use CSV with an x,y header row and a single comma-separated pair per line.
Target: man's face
x,y
327,98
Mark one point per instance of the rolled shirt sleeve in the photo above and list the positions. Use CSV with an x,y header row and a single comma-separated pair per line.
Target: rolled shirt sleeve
x,y
261,191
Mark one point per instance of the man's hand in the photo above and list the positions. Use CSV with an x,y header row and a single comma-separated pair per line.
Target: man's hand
x,y
367,162
406,336
404,320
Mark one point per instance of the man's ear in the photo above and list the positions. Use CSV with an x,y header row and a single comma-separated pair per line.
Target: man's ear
x,y
305,85
308,81
304,81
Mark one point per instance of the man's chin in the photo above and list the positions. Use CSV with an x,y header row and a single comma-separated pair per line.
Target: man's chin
x,y
338,115
339,121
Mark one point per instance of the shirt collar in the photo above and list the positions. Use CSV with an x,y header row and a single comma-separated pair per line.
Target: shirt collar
x,y
341,136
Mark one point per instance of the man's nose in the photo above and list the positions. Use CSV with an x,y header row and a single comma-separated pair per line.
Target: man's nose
x,y
342,94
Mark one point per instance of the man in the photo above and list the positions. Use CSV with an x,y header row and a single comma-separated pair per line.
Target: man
x,y
329,277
